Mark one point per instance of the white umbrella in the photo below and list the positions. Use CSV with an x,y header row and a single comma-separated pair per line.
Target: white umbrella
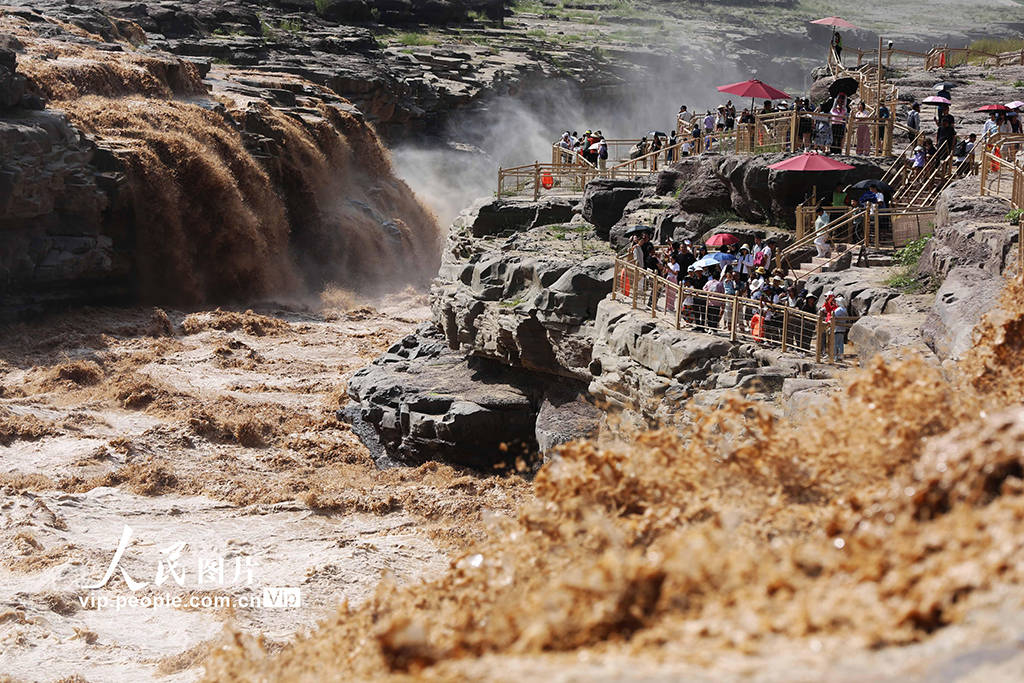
x,y
1016,104
596,145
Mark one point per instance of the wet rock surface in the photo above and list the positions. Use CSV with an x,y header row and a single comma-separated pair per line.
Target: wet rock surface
x,y
427,402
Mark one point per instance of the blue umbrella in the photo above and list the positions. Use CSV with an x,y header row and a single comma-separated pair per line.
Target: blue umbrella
x,y
716,258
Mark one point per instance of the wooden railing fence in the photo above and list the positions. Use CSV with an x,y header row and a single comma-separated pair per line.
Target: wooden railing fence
x,y
739,318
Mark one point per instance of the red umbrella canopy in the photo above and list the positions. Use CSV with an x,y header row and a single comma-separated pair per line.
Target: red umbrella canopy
x,y
753,89
834,21
993,107
810,161
722,239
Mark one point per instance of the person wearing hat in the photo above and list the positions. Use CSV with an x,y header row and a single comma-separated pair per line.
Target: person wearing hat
x,y
821,242
839,313
758,282
745,262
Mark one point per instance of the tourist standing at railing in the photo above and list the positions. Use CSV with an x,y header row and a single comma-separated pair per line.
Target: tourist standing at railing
x,y
709,122
991,127
945,138
914,120
964,149
714,313
838,314
838,117
822,129
805,124
686,257
837,47
670,270
863,129
684,120
883,117
670,149
730,115
602,156
655,147
1006,151
821,242
745,262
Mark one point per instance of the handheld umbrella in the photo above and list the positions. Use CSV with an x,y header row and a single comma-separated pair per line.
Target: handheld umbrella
x,y
722,239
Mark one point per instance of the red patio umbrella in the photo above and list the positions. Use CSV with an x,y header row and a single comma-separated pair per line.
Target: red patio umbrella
x,y
834,22
810,161
722,239
993,107
753,89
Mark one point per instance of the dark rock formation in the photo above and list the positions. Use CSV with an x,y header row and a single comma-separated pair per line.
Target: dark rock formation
x,y
605,200
497,217
526,300
427,402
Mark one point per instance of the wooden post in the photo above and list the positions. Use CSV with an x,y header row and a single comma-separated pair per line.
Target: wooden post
x,y
536,180
831,350
984,171
499,182
878,102
785,327
794,119
734,316
636,285
817,338
878,221
679,302
615,279
654,296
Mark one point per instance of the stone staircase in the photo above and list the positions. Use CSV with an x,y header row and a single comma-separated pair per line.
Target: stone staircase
x,y
841,259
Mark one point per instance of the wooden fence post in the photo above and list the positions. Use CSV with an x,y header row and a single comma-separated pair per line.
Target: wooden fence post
x,y
794,119
785,327
817,338
679,302
867,227
636,285
536,180
654,296
499,182
734,316
615,279
832,342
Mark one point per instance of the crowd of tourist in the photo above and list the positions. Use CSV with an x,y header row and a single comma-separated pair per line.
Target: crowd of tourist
x,y
739,270
591,146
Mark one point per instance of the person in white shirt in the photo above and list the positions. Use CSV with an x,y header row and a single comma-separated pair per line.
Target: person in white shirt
x,y
991,127
821,242
745,261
